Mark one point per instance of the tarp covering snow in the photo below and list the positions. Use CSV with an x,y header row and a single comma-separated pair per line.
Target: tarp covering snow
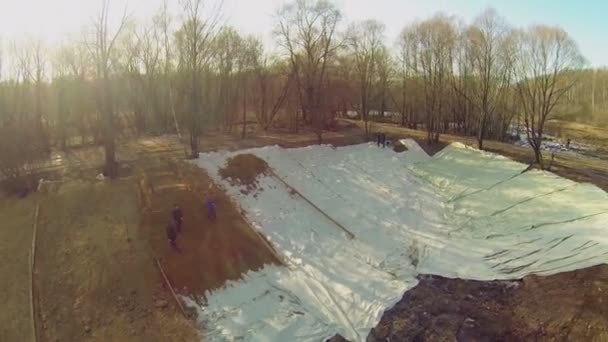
x,y
462,213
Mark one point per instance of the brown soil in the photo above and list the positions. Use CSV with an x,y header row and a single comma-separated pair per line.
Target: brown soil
x,y
564,307
209,251
244,169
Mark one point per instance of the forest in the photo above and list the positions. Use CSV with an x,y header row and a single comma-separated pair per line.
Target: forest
x,y
189,73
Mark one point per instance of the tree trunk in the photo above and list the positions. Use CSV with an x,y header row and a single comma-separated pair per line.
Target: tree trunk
x,y
110,169
244,132
538,155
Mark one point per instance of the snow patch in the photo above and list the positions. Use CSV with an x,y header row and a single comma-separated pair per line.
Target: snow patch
x,y
462,213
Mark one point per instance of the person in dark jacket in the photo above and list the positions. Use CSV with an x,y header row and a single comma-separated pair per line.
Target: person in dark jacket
x,y
378,138
211,212
383,140
171,233
177,215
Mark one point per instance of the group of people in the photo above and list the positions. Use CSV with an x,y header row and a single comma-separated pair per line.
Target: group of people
x,y
174,226
381,139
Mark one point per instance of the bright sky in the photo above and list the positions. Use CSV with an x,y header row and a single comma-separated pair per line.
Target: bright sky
x,y
584,20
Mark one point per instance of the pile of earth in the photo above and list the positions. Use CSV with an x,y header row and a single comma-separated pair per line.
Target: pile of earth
x,y
244,170
568,306
399,147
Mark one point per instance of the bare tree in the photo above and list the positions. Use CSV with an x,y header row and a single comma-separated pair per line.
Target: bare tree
x,y
408,72
195,44
61,70
491,67
434,50
384,79
365,41
163,21
306,30
270,76
102,51
149,42
39,60
79,62
546,68
246,65
228,57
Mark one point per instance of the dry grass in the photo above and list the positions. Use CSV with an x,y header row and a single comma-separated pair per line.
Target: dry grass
x,y
588,134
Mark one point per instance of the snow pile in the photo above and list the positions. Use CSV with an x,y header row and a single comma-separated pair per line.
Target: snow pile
x,y
462,213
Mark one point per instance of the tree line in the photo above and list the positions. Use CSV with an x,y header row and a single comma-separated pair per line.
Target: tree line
x,y
189,73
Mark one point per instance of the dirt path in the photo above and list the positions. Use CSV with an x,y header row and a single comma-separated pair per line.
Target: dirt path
x,y
16,222
210,252
96,280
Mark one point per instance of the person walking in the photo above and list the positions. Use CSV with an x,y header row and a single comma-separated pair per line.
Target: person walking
x,y
171,233
178,216
211,210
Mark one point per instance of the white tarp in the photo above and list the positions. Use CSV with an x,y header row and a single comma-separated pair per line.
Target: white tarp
x,y
462,213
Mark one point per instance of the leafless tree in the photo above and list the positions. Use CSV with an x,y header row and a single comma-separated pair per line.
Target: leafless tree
x,y
246,65
102,51
163,22
434,41
408,72
384,79
272,85
306,31
39,60
79,61
365,42
61,70
228,57
150,53
195,44
546,66
491,67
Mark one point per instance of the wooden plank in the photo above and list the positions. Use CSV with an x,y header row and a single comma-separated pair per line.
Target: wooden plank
x,y
32,271
179,303
348,233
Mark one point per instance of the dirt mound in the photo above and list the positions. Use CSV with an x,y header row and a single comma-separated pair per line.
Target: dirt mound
x,y
399,147
244,170
569,306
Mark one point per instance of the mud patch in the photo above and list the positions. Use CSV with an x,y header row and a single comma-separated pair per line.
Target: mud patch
x,y
244,170
399,147
569,306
